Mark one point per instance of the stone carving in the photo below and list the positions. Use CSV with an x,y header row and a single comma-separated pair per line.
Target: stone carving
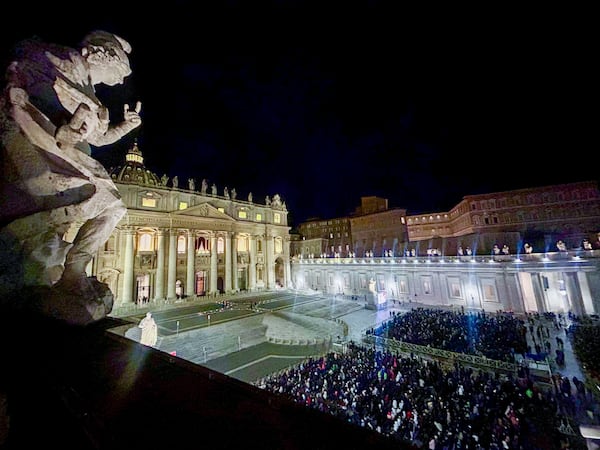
x,y
204,186
49,118
233,194
192,184
175,181
250,197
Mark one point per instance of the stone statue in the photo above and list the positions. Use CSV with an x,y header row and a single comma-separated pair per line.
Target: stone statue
x,y
149,330
204,186
213,188
175,181
226,192
250,197
192,184
233,194
276,200
164,179
49,119
267,201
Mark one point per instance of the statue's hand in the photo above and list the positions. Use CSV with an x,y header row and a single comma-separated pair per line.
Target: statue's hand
x,y
133,117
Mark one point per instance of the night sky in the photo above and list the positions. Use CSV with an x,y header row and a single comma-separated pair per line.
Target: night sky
x,y
324,105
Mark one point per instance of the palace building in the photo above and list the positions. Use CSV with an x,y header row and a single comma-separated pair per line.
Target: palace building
x,y
179,242
525,250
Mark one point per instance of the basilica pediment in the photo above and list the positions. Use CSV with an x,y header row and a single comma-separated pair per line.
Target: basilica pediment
x,y
203,210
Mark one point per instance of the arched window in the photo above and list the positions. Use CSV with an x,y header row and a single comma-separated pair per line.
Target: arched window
x,y
181,244
220,245
242,244
202,245
145,242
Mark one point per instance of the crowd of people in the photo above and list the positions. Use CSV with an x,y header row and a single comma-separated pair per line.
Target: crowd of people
x,y
432,404
496,336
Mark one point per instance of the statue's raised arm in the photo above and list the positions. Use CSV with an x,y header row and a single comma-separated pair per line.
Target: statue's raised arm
x,y
49,117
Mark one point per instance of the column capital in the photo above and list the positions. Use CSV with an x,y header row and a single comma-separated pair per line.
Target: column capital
x,y
128,229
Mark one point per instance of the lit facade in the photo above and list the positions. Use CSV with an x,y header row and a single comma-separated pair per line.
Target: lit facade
x,y
547,279
559,281
540,216
179,242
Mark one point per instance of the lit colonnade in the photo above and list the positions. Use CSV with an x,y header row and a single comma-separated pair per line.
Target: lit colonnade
x,y
176,243
542,282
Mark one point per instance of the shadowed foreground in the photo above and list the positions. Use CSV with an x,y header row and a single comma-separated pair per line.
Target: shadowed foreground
x,y
87,388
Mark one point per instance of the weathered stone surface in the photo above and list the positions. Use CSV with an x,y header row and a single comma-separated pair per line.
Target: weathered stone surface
x,y
50,118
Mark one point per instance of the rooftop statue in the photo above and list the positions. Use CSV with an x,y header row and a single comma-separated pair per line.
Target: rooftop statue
x,y
50,117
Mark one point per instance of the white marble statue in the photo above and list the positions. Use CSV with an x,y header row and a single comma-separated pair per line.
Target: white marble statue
x,y
50,117
149,330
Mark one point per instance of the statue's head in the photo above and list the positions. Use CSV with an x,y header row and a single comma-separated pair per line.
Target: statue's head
x,y
106,54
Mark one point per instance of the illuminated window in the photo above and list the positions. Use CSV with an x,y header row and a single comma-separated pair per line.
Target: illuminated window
x,y
258,217
202,246
278,245
149,202
181,244
221,209
242,244
220,245
183,205
277,218
242,214
145,242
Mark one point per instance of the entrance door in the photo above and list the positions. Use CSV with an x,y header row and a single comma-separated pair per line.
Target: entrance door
x,y
142,288
201,282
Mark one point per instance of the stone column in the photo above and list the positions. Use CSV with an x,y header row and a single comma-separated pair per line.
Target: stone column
x,y
191,257
172,269
234,260
269,260
227,286
574,292
286,261
252,264
514,301
159,291
213,264
538,290
128,267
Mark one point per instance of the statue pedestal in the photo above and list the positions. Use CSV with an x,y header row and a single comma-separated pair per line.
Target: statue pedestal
x,y
376,301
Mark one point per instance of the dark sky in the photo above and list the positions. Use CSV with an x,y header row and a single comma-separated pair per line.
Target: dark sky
x,y
323,105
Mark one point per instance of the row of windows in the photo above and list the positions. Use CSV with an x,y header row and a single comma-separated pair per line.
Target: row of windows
x,y
146,243
534,199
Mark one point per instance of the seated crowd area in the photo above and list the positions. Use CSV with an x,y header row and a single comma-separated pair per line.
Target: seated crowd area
x,y
425,403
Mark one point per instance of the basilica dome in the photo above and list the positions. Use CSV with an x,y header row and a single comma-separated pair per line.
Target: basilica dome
x,y
134,171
